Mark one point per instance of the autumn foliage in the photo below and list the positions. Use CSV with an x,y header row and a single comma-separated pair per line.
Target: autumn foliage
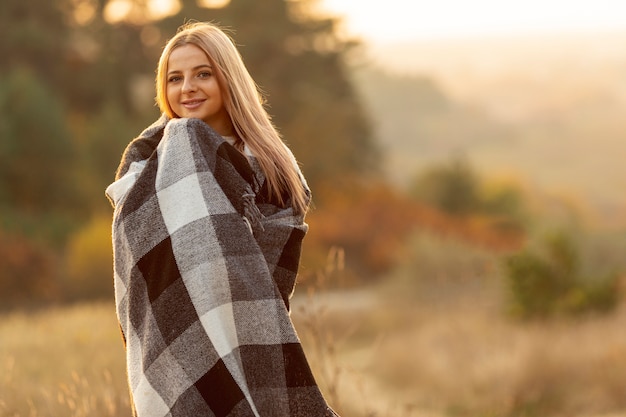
x,y
371,223
28,272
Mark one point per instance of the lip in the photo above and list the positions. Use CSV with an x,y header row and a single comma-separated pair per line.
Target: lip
x,y
193,103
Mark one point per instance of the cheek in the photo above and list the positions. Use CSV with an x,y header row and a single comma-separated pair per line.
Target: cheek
x,y
218,93
170,95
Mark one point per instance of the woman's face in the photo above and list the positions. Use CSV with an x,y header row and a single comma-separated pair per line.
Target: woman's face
x,y
193,91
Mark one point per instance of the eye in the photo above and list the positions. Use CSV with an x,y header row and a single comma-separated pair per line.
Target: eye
x,y
204,74
174,78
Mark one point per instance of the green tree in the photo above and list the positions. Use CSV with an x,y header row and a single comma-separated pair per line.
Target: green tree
x,y
34,36
36,153
550,280
453,188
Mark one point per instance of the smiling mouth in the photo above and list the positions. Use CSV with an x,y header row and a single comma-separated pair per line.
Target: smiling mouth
x,y
192,104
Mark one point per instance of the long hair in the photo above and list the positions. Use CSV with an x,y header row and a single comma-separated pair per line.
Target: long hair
x,y
244,104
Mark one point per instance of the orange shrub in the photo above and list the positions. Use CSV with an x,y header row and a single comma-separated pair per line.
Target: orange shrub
x,y
27,272
89,261
372,222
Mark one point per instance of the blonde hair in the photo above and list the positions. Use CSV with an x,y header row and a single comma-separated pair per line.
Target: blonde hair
x,y
244,104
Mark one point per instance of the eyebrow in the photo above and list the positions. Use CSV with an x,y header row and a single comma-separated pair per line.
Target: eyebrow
x,y
197,67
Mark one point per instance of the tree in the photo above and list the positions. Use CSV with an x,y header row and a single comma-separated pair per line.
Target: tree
x,y
453,188
36,152
34,35
551,280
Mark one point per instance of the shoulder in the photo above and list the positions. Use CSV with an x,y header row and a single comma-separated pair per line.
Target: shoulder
x,y
140,148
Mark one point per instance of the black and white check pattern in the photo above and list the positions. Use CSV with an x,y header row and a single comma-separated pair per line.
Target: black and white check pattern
x,y
201,289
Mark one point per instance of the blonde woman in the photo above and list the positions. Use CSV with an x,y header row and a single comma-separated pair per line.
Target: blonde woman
x,y
208,221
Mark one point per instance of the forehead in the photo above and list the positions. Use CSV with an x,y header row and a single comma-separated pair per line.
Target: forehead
x,y
186,56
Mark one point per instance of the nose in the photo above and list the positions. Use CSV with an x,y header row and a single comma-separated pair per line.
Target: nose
x,y
189,86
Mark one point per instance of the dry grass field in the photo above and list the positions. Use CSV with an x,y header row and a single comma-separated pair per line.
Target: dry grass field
x,y
439,356
65,361
427,343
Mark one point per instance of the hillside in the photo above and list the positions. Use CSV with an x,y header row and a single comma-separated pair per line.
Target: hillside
x,y
548,111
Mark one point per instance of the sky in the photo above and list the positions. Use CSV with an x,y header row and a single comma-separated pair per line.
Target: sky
x,y
386,21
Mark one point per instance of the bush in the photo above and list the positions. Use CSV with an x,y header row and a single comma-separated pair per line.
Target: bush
x,y
456,189
89,261
27,272
373,222
550,282
452,188
370,226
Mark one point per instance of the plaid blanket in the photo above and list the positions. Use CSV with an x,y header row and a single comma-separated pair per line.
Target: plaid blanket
x,y
204,266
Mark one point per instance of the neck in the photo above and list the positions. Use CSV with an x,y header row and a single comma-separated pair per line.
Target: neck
x,y
222,124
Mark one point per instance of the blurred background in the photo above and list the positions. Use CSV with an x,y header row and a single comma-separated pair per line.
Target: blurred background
x,y
467,245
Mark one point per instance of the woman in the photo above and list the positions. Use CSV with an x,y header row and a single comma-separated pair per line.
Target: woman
x,y
208,221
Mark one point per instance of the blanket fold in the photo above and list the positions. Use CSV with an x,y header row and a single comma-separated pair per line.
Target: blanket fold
x,y
204,267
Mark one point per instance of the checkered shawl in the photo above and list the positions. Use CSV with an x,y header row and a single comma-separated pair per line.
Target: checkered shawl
x,y
204,267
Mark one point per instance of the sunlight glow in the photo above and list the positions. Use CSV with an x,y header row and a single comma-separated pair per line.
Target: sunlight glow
x,y
117,10
213,4
163,8
84,13
394,20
